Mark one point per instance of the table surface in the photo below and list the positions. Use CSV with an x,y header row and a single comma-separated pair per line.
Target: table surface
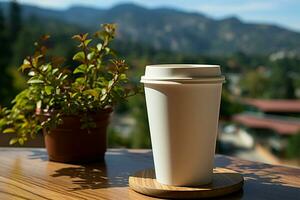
x,y
26,173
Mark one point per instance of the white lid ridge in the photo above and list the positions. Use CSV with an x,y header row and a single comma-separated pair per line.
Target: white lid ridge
x,y
182,72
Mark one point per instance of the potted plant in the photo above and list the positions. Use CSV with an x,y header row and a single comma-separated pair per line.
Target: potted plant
x,y
70,105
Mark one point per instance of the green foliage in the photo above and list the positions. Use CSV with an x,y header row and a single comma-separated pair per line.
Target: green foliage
x,y
277,81
115,140
229,106
15,20
98,82
254,84
293,150
280,80
140,137
282,84
5,58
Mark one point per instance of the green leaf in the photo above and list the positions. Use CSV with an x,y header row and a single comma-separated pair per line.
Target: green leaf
x,y
93,92
80,80
31,73
36,58
77,37
86,42
13,141
48,89
64,77
54,71
46,67
34,80
57,91
90,56
99,46
26,61
123,77
84,36
79,56
91,67
103,97
21,141
9,130
103,91
26,64
2,122
39,104
107,49
74,95
110,83
59,75
80,69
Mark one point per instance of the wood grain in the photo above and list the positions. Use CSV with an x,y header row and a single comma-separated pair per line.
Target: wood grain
x,y
224,182
26,173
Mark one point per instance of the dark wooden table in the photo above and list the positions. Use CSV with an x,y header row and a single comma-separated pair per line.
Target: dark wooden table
x,y
27,174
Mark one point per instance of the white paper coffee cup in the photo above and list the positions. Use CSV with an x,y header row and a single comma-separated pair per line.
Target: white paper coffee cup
x,y
183,103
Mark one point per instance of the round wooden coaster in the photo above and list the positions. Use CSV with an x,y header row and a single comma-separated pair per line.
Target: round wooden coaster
x,y
224,182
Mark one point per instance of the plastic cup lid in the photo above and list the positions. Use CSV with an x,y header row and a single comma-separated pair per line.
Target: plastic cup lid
x,y
183,72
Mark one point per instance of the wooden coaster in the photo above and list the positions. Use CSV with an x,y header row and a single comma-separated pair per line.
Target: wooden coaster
x,y
224,182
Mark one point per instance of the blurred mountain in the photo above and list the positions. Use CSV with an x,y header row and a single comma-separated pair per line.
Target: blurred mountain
x,y
175,30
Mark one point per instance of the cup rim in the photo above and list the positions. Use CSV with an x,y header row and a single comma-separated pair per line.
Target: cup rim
x,y
184,73
175,81
178,66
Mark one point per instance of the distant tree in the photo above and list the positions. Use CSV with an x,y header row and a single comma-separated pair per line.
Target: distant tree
x,y
140,137
23,44
289,88
9,32
254,84
281,83
5,78
292,150
15,20
2,27
3,41
229,106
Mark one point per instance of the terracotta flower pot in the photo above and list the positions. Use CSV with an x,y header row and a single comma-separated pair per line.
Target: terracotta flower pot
x,y
69,143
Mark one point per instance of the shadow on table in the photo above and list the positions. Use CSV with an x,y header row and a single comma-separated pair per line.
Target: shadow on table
x,y
264,181
114,172
92,176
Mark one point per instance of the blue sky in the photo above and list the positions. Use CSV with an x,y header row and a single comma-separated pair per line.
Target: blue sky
x,y
282,12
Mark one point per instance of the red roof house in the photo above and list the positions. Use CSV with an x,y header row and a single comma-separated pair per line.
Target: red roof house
x,y
281,126
274,105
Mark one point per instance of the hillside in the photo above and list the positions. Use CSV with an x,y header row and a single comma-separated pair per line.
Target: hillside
x,y
175,30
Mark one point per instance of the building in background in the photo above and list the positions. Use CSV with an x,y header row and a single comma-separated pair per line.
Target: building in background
x,y
270,123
